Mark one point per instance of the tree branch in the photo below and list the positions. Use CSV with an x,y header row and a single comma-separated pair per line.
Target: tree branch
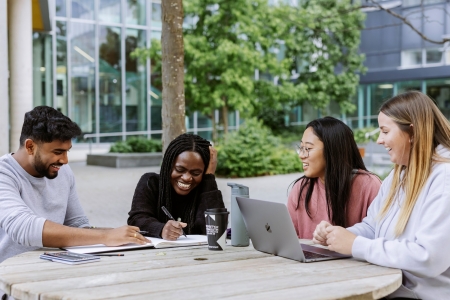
x,y
409,24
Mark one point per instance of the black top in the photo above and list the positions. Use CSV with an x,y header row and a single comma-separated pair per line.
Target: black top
x,y
143,213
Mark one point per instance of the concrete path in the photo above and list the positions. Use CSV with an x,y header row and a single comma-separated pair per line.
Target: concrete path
x,y
106,193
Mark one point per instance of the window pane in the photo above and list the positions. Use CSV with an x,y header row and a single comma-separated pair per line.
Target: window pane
x,y
378,94
42,69
60,6
434,56
410,2
189,121
83,76
207,135
156,14
203,121
110,11
136,78
110,80
439,91
136,12
156,88
156,107
412,85
411,58
83,9
61,66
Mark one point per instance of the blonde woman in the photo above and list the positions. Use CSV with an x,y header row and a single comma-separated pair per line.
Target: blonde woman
x,y
408,223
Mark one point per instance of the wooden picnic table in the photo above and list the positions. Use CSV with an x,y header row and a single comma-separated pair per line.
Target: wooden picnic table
x,y
193,273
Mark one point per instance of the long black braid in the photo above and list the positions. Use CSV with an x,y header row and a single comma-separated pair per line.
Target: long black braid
x,y
184,142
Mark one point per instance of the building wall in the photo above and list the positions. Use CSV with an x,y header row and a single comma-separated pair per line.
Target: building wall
x,y
398,59
84,69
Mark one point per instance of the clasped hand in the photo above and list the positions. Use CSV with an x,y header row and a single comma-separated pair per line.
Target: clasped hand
x,y
336,238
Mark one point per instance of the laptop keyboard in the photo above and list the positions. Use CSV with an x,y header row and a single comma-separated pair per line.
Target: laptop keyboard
x,y
312,255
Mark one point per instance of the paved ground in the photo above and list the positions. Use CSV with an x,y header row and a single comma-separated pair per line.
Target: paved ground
x,y
106,193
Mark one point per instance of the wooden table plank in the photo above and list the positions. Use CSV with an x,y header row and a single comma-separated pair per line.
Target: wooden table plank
x,y
138,260
380,288
229,283
235,272
178,272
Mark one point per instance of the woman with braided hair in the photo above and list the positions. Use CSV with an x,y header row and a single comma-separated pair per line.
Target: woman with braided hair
x,y
186,186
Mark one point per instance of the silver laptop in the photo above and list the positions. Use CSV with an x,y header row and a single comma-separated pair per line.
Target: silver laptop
x,y
270,228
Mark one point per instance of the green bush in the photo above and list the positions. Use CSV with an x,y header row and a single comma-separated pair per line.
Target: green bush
x,y
144,145
120,147
135,144
254,151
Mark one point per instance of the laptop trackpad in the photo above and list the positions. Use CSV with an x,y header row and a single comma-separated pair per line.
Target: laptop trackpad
x,y
322,251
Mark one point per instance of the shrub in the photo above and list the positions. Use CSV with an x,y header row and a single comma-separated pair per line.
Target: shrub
x,y
144,145
120,147
136,144
254,151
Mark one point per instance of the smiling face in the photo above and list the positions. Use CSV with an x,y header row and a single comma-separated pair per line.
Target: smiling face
x,y
314,164
187,172
48,158
396,141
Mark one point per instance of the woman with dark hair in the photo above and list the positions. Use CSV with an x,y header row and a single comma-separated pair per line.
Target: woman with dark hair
x,y
336,185
186,186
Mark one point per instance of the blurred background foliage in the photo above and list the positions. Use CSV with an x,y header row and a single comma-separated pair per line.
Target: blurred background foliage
x,y
254,151
136,144
263,60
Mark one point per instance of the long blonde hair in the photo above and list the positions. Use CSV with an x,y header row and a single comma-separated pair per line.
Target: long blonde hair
x,y
430,128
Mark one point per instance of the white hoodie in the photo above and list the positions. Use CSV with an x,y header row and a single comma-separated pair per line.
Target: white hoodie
x,y
422,251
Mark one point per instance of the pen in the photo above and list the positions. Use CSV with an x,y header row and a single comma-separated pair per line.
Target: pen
x,y
143,232
118,254
170,217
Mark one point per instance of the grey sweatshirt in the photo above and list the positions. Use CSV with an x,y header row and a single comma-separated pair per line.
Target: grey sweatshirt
x,y
422,250
26,202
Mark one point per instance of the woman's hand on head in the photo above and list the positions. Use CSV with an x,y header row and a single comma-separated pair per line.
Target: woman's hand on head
x,y
172,230
340,239
212,161
320,233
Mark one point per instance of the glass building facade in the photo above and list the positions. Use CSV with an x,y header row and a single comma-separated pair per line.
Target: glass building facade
x,y
84,69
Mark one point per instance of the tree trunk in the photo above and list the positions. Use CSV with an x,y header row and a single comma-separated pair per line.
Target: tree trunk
x,y
172,48
214,126
225,118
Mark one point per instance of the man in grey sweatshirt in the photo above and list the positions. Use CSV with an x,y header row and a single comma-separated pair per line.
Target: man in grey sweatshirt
x,y
39,205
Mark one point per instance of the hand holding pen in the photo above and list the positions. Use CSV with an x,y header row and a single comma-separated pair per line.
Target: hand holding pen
x,y
173,229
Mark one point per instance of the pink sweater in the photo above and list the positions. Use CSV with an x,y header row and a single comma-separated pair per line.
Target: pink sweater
x,y
363,191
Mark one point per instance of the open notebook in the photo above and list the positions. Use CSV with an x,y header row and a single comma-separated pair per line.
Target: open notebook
x,y
190,240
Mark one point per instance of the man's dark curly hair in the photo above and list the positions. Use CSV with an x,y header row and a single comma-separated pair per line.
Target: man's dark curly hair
x,y
46,124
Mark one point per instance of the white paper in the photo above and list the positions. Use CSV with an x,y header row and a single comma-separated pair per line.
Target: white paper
x,y
190,240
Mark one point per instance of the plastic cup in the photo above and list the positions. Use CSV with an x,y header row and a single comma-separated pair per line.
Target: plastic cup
x,y
216,228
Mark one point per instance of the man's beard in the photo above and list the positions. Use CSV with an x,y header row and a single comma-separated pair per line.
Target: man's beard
x,y
41,168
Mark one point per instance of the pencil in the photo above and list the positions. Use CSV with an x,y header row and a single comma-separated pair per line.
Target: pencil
x,y
117,254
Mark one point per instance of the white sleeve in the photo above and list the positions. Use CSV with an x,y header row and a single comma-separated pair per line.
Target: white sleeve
x,y
425,255
16,218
